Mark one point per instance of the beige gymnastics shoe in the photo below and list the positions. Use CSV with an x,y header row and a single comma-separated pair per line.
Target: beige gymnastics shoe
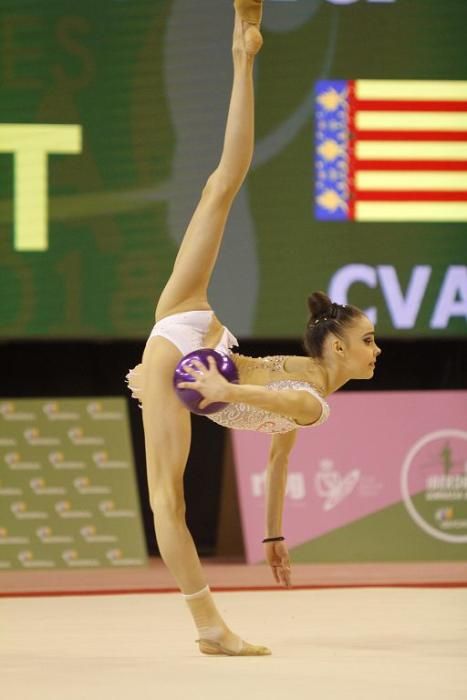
x,y
207,646
250,10
251,40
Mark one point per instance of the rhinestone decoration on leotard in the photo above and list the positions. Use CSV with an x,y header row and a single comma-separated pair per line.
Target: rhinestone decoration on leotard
x,y
242,416
275,364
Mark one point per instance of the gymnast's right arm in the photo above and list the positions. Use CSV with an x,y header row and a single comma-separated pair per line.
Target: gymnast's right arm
x,y
276,483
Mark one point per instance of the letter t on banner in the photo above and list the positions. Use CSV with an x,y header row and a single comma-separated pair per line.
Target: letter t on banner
x,y
31,144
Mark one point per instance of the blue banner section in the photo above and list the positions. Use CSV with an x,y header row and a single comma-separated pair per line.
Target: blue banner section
x,y
331,150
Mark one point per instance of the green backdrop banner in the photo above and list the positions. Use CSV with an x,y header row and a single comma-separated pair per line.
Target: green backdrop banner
x,y
67,485
112,116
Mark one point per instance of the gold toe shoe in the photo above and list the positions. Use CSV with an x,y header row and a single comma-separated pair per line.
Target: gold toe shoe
x,y
207,646
250,10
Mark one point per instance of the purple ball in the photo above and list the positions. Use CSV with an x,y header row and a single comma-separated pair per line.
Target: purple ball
x,y
190,397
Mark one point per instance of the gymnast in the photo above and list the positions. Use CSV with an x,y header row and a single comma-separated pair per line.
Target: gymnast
x,y
277,395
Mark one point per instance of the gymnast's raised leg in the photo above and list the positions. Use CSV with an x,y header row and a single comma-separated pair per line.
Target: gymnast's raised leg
x,y
166,421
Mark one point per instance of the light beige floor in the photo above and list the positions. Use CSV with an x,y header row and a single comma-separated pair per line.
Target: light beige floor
x,y
357,644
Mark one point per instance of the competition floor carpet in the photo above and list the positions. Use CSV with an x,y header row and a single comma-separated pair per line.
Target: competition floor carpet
x,y
352,643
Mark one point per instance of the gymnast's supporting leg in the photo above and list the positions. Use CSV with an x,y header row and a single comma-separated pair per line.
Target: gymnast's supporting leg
x,y
166,421
167,431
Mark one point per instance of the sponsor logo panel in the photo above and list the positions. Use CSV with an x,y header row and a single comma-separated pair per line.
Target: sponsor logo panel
x,y
434,484
68,489
400,459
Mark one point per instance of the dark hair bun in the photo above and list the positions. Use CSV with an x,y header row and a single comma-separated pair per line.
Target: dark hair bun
x,y
326,317
318,304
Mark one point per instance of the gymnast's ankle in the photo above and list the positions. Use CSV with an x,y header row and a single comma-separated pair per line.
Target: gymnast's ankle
x,y
214,635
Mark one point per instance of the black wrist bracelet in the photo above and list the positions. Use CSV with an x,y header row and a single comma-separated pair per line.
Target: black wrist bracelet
x,y
273,539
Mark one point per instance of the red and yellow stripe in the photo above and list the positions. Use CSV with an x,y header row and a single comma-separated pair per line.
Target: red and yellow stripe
x,y
408,150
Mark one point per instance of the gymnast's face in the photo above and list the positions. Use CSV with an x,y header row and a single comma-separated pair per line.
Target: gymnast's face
x,y
360,349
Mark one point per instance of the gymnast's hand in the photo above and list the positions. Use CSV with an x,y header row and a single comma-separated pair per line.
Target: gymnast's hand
x,y
277,556
208,381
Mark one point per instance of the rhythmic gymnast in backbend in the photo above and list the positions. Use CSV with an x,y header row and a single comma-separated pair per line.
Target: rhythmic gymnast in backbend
x,y
277,395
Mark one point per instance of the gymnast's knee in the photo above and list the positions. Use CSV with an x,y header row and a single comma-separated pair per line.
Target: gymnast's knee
x,y
221,185
168,503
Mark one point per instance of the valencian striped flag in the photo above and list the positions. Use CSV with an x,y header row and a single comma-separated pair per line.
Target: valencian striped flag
x,y
391,150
